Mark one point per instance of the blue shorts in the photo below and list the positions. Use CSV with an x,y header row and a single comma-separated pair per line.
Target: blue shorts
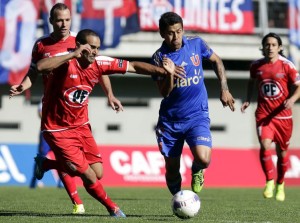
x,y
172,135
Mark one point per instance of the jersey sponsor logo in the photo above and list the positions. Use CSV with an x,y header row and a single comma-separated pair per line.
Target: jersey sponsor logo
x,y
8,167
186,82
77,96
270,89
195,60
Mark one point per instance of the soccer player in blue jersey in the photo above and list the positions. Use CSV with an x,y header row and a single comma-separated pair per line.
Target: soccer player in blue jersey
x,y
184,113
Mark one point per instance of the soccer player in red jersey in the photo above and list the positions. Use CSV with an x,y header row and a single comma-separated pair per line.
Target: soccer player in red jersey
x,y
275,76
60,42
65,123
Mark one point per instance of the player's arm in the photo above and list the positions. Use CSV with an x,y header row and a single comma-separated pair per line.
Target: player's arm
x,y
250,86
225,95
48,64
169,71
149,69
288,104
26,83
114,103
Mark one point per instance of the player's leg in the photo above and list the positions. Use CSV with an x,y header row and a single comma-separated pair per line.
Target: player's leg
x,y
265,133
91,180
282,136
71,188
173,176
33,181
170,142
202,157
198,137
282,166
68,181
267,165
94,187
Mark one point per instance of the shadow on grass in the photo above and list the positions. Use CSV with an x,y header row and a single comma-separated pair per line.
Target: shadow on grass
x,y
29,214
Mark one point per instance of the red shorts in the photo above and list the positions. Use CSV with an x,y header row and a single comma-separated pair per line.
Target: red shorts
x,y
74,149
279,130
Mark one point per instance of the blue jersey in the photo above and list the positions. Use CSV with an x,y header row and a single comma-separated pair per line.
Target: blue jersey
x,y
188,98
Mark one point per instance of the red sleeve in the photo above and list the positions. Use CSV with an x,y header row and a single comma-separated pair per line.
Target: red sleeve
x,y
36,52
253,70
109,65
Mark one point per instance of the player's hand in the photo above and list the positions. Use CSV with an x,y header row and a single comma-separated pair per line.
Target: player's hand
x,y
79,50
244,106
227,99
288,104
172,69
115,104
15,90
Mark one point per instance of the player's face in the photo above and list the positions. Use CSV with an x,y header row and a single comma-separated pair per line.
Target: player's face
x,y
271,48
173,36
61,23
94,43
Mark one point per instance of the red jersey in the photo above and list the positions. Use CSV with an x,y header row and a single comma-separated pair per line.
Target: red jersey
x,y
274,80
66,96
47,46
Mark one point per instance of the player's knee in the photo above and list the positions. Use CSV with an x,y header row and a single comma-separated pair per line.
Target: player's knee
x,y
99,175
205,163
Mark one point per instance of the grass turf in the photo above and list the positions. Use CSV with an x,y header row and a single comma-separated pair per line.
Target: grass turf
x,y
218,205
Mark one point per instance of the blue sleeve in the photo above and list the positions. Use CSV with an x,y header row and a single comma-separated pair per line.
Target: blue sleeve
x,y
157,61
206,51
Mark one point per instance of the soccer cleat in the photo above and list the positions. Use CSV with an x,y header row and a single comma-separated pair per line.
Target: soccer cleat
x,y
78,209
117,213
38,171
197,181
269,189
280,195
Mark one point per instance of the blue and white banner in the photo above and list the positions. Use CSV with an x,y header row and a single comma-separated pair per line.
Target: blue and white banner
x,y
218,16
16,166
294,22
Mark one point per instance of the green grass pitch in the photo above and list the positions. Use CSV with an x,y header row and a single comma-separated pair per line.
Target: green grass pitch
x,y
218,205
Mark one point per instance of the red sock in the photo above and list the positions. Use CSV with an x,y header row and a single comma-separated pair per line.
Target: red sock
x,y
49,164
70,186
267,164
282,166
97,191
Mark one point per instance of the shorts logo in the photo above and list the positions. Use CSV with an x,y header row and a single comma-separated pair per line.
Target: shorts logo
x,y
202,138
77,96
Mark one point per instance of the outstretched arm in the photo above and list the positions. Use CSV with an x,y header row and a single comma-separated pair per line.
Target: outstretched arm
x,y
225,96
114,103
149,69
